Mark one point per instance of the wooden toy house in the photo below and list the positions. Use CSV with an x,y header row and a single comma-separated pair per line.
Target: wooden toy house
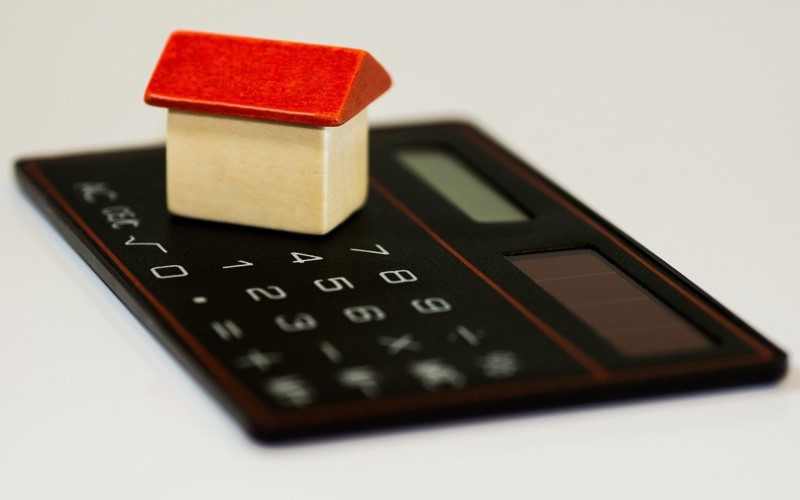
x,y
265,133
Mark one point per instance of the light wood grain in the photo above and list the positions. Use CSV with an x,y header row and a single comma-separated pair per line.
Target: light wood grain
x,y
272,175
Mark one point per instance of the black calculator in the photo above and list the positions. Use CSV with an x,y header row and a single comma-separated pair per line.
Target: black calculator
x,y
469,284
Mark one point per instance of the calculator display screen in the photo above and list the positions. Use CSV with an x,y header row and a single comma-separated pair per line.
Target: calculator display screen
x,y
455,181
617,308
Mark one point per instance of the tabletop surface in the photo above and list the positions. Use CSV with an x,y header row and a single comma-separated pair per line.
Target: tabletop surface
x,y
677,121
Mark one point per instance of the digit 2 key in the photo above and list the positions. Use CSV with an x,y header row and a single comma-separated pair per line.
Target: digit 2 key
x,y
469,284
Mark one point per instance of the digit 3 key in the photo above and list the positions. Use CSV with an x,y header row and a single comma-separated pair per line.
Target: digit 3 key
x,y
469,284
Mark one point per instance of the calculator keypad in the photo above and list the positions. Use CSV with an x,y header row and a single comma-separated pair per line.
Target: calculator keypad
x,y
379,325
367,312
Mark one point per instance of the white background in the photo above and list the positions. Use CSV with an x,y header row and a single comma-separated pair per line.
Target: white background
x,y
678,121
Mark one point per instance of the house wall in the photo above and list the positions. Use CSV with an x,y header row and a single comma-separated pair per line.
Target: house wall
x,y
265,174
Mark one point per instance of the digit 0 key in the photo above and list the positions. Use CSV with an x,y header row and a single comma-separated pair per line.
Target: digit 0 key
x,y
469,284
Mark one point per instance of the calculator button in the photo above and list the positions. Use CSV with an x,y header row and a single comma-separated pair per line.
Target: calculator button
x,y
397,277
329,285
290,390
167,272
431,305
227,330
331,352
254,358
91,191
363,378
379,250
364,314
464,334
396,345
435,374
500,364
132,242
298,323
239,263
269,292
302,258
121,217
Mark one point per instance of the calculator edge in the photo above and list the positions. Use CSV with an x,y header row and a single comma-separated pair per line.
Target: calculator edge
x,y
140,308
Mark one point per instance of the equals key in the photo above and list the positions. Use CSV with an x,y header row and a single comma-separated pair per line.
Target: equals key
x,y
227,330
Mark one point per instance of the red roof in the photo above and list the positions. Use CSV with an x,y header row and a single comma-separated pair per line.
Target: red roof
x,y
266,79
